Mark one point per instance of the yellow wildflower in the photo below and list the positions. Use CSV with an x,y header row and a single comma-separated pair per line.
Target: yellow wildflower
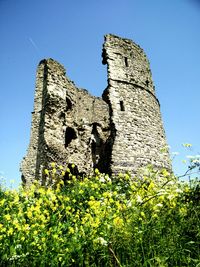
x,y
7,217
187,145
96,171
54,170
10,231
46,172
29,214
165,172
43,239
53,164
71,230
118,221
2,202
35,232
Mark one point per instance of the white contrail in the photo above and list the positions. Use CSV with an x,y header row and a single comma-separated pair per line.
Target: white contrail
x,y
33,44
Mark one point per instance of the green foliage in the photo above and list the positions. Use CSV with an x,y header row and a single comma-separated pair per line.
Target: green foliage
x,y
149,220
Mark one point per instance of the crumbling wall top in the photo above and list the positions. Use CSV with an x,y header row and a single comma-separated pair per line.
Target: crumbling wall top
x,y
127,62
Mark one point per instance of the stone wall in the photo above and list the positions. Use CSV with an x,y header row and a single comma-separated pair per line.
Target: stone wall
x,y
119,132
135,111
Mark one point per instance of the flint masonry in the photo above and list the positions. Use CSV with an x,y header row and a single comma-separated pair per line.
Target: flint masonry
x,y
122,131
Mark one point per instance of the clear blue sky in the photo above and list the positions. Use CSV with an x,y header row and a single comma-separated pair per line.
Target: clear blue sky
x,y
72,33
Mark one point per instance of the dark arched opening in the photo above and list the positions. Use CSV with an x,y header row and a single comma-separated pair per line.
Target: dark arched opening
x,y
68,104
122,108
70,134
126,61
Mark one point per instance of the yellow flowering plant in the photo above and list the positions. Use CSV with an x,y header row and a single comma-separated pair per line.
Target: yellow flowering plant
x,y
97,220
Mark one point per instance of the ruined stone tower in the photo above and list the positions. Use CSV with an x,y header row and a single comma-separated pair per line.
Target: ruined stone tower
x,y
122,131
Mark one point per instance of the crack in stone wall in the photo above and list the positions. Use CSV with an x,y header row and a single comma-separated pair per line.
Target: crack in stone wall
x,y
122,131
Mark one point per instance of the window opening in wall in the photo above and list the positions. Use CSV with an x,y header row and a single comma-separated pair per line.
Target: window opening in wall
x,y
69,104
96,145
126,61
104,57
147,83
70,134
122,105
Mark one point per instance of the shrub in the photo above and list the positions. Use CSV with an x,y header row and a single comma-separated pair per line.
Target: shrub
x,y
149,220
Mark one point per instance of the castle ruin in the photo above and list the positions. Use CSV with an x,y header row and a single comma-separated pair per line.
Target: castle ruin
x,y
122,131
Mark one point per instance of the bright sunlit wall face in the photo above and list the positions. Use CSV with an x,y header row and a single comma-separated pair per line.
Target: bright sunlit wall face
x,y
121,132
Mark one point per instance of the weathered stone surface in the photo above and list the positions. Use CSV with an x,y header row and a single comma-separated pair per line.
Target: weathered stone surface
x,y
119,132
